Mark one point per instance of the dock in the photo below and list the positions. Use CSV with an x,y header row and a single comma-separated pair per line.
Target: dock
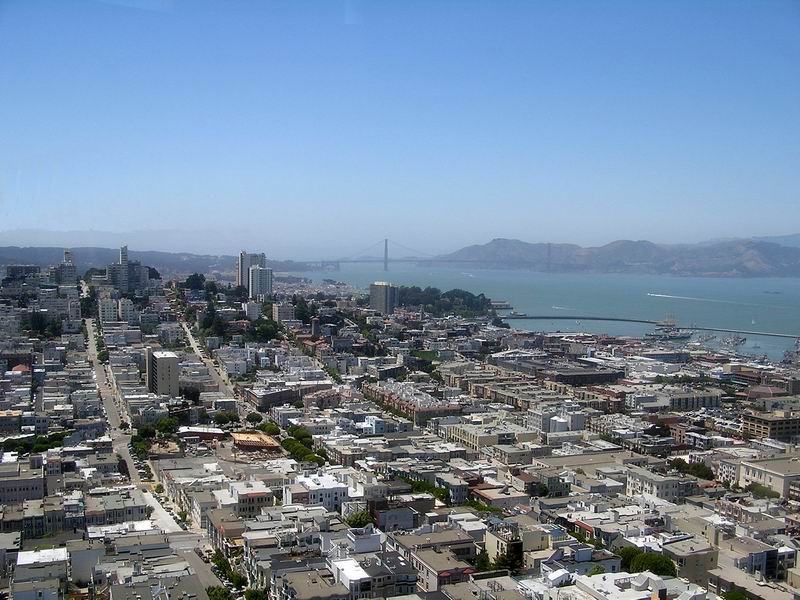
x,y
646,322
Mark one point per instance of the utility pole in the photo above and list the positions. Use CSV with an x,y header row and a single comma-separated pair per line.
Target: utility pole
x,y
386,254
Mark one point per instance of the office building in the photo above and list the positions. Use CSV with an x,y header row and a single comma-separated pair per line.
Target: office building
x,y
383,297
162,373
243,267
259,282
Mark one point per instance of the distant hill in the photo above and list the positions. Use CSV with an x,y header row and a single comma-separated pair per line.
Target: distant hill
x,y
734,258
784,240
167,263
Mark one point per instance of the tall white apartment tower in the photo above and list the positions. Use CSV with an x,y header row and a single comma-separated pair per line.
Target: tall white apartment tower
x,y
260,282
123,270
243,267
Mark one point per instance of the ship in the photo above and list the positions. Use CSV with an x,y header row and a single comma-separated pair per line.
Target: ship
x,y
733,341
668,334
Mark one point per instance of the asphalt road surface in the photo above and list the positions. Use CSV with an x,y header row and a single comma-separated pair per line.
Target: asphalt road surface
x,y
119,438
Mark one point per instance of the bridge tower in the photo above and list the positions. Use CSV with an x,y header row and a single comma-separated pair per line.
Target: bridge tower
x,y
386,254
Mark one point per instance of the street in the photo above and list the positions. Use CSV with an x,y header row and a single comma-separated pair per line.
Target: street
x,y
222,382
119,438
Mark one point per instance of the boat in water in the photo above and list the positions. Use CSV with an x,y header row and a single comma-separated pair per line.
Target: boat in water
x,y
669,334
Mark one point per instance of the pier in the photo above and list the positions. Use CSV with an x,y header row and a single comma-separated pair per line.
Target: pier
x,y
644,321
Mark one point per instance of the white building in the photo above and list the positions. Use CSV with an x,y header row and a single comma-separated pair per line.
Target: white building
x,y
127,311
260,282
243,267
107,310
317,489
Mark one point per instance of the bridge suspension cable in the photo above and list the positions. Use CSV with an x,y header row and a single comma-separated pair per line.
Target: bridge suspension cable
x,y
414,253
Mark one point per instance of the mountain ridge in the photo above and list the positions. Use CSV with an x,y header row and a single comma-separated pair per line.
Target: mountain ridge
x,y
734,258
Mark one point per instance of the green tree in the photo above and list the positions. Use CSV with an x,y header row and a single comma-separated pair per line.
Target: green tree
x,y
734,595
102,356
482,562
265,330
655,563
237,579
627,554
270,428
506,561
252,594
182,514
159,489
167,426
195,281
761,491
216,592
254,418
224,417
359,519
596,570
146,432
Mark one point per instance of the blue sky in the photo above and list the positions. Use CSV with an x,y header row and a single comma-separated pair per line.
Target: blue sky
x,y
302,127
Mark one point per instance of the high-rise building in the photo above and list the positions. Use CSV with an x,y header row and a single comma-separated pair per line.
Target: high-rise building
x,y
123,270
162,373
260,282
66,272
383,297
243,267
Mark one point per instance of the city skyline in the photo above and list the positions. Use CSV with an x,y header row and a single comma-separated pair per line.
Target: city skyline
x,y
543,122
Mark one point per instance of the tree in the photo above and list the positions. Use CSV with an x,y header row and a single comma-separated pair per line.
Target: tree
x,y
511,563
216,592
195,281
182,514
761,491
167,426
627,554
655,563
237,579
265,330
254,418
302,310
159,489
251,594
482,562
124,425
224,417
359,519
145,432
596,570
271,429
102,356
734,595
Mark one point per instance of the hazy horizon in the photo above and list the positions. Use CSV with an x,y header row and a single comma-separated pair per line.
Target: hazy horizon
x,y
196,243
304,130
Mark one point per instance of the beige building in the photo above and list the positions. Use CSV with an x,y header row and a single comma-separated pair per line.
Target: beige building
x,y
775,473
163,370
694,558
